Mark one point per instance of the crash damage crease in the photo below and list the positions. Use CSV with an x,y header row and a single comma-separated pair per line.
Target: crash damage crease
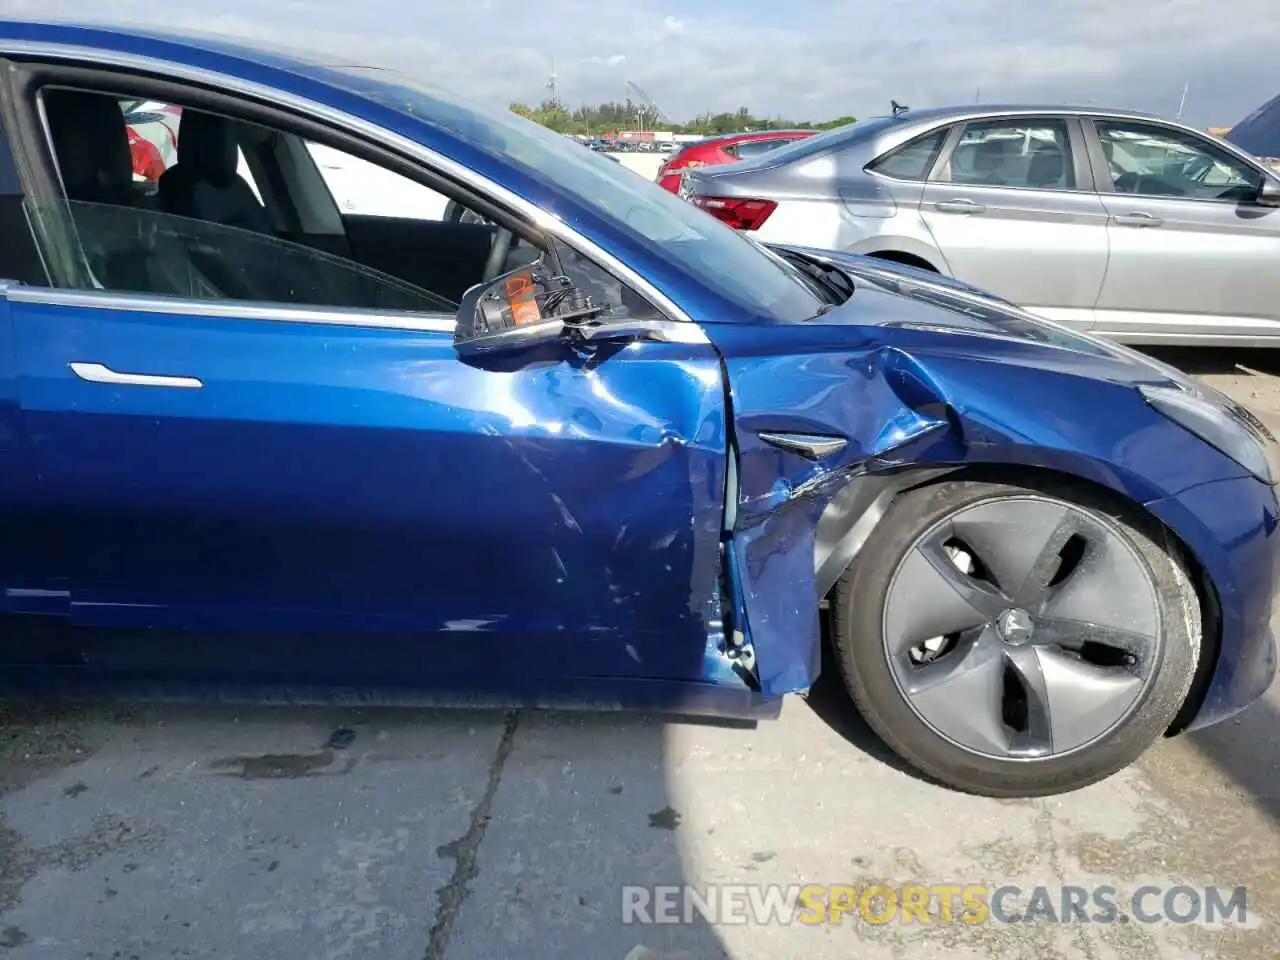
x,y
784,548
643,523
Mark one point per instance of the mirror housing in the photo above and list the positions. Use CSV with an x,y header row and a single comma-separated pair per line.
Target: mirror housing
x,y
1269,192
503,315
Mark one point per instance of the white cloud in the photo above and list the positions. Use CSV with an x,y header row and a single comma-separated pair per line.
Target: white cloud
x,y
802,58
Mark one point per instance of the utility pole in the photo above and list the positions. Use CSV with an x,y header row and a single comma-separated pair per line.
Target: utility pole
x,y
1183,102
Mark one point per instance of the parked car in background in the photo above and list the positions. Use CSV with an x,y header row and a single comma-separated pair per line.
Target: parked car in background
x,y
1119,223
728,148
1259,133
153,137
148,164
567,440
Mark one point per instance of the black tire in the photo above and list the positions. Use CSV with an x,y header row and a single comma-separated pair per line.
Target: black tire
x,y
857,636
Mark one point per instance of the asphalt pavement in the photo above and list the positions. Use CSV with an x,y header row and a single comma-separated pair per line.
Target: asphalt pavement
x,y
167,831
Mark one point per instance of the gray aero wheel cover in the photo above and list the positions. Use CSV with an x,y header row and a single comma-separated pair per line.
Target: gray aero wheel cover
x,y
1078,655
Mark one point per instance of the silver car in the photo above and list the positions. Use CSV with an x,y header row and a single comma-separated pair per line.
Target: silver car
x,y
1119,223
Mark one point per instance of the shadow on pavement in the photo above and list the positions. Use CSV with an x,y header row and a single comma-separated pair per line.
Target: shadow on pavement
x,y
1247,750
830,701
280,831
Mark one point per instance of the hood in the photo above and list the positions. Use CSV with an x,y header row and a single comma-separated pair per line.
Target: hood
x,y
891,295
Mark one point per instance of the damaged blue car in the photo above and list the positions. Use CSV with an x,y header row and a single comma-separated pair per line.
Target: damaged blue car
x,y
494,421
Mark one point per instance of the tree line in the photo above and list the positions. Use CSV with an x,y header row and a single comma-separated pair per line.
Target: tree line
x,y
602,118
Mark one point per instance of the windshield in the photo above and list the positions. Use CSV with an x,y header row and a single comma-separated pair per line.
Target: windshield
x,y
715,254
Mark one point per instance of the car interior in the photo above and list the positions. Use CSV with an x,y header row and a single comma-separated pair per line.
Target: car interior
x,y
1002,161
1160,166
203,230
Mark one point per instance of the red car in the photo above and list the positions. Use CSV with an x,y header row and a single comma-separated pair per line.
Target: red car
x,y
147,162
153,136
726,148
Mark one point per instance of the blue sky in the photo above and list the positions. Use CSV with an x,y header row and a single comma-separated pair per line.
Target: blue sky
x,y
798,58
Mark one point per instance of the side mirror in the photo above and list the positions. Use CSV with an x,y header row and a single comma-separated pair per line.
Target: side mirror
x,y
1269,192
504,314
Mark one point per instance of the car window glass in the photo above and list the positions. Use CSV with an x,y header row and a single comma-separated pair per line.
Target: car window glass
x,y
1032,154
712,254
912,161
152,127
756,148
137,250
361,188
859,132
606,290
201,228
1153,161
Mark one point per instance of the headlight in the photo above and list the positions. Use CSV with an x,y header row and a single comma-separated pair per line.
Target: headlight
x,y
1221,423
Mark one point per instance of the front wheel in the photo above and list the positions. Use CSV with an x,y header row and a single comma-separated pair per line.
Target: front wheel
x,y
1017,641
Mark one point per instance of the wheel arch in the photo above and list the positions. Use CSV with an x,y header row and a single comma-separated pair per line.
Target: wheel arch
x,y
906,259
850,517
903,249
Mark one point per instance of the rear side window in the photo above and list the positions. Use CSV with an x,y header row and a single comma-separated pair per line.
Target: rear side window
x,y
1034,154
913,160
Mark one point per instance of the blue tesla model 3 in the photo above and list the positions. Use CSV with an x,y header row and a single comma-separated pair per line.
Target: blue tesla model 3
x,y
536,432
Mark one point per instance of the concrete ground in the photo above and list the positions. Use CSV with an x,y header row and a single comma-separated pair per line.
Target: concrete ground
x,y
645,164
219,831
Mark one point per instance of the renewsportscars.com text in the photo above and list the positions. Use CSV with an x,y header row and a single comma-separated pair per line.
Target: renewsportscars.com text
x,y
938,903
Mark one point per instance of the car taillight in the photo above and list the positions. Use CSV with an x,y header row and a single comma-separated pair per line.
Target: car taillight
x,y
741,213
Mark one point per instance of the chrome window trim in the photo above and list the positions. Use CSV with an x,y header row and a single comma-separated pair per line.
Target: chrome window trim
x,y
96,57
230,309
669,331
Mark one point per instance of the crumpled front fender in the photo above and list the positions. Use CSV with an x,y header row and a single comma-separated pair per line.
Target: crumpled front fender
x,y
820,404
803,427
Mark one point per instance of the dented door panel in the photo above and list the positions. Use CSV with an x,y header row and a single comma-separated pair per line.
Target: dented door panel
x,y
375,511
